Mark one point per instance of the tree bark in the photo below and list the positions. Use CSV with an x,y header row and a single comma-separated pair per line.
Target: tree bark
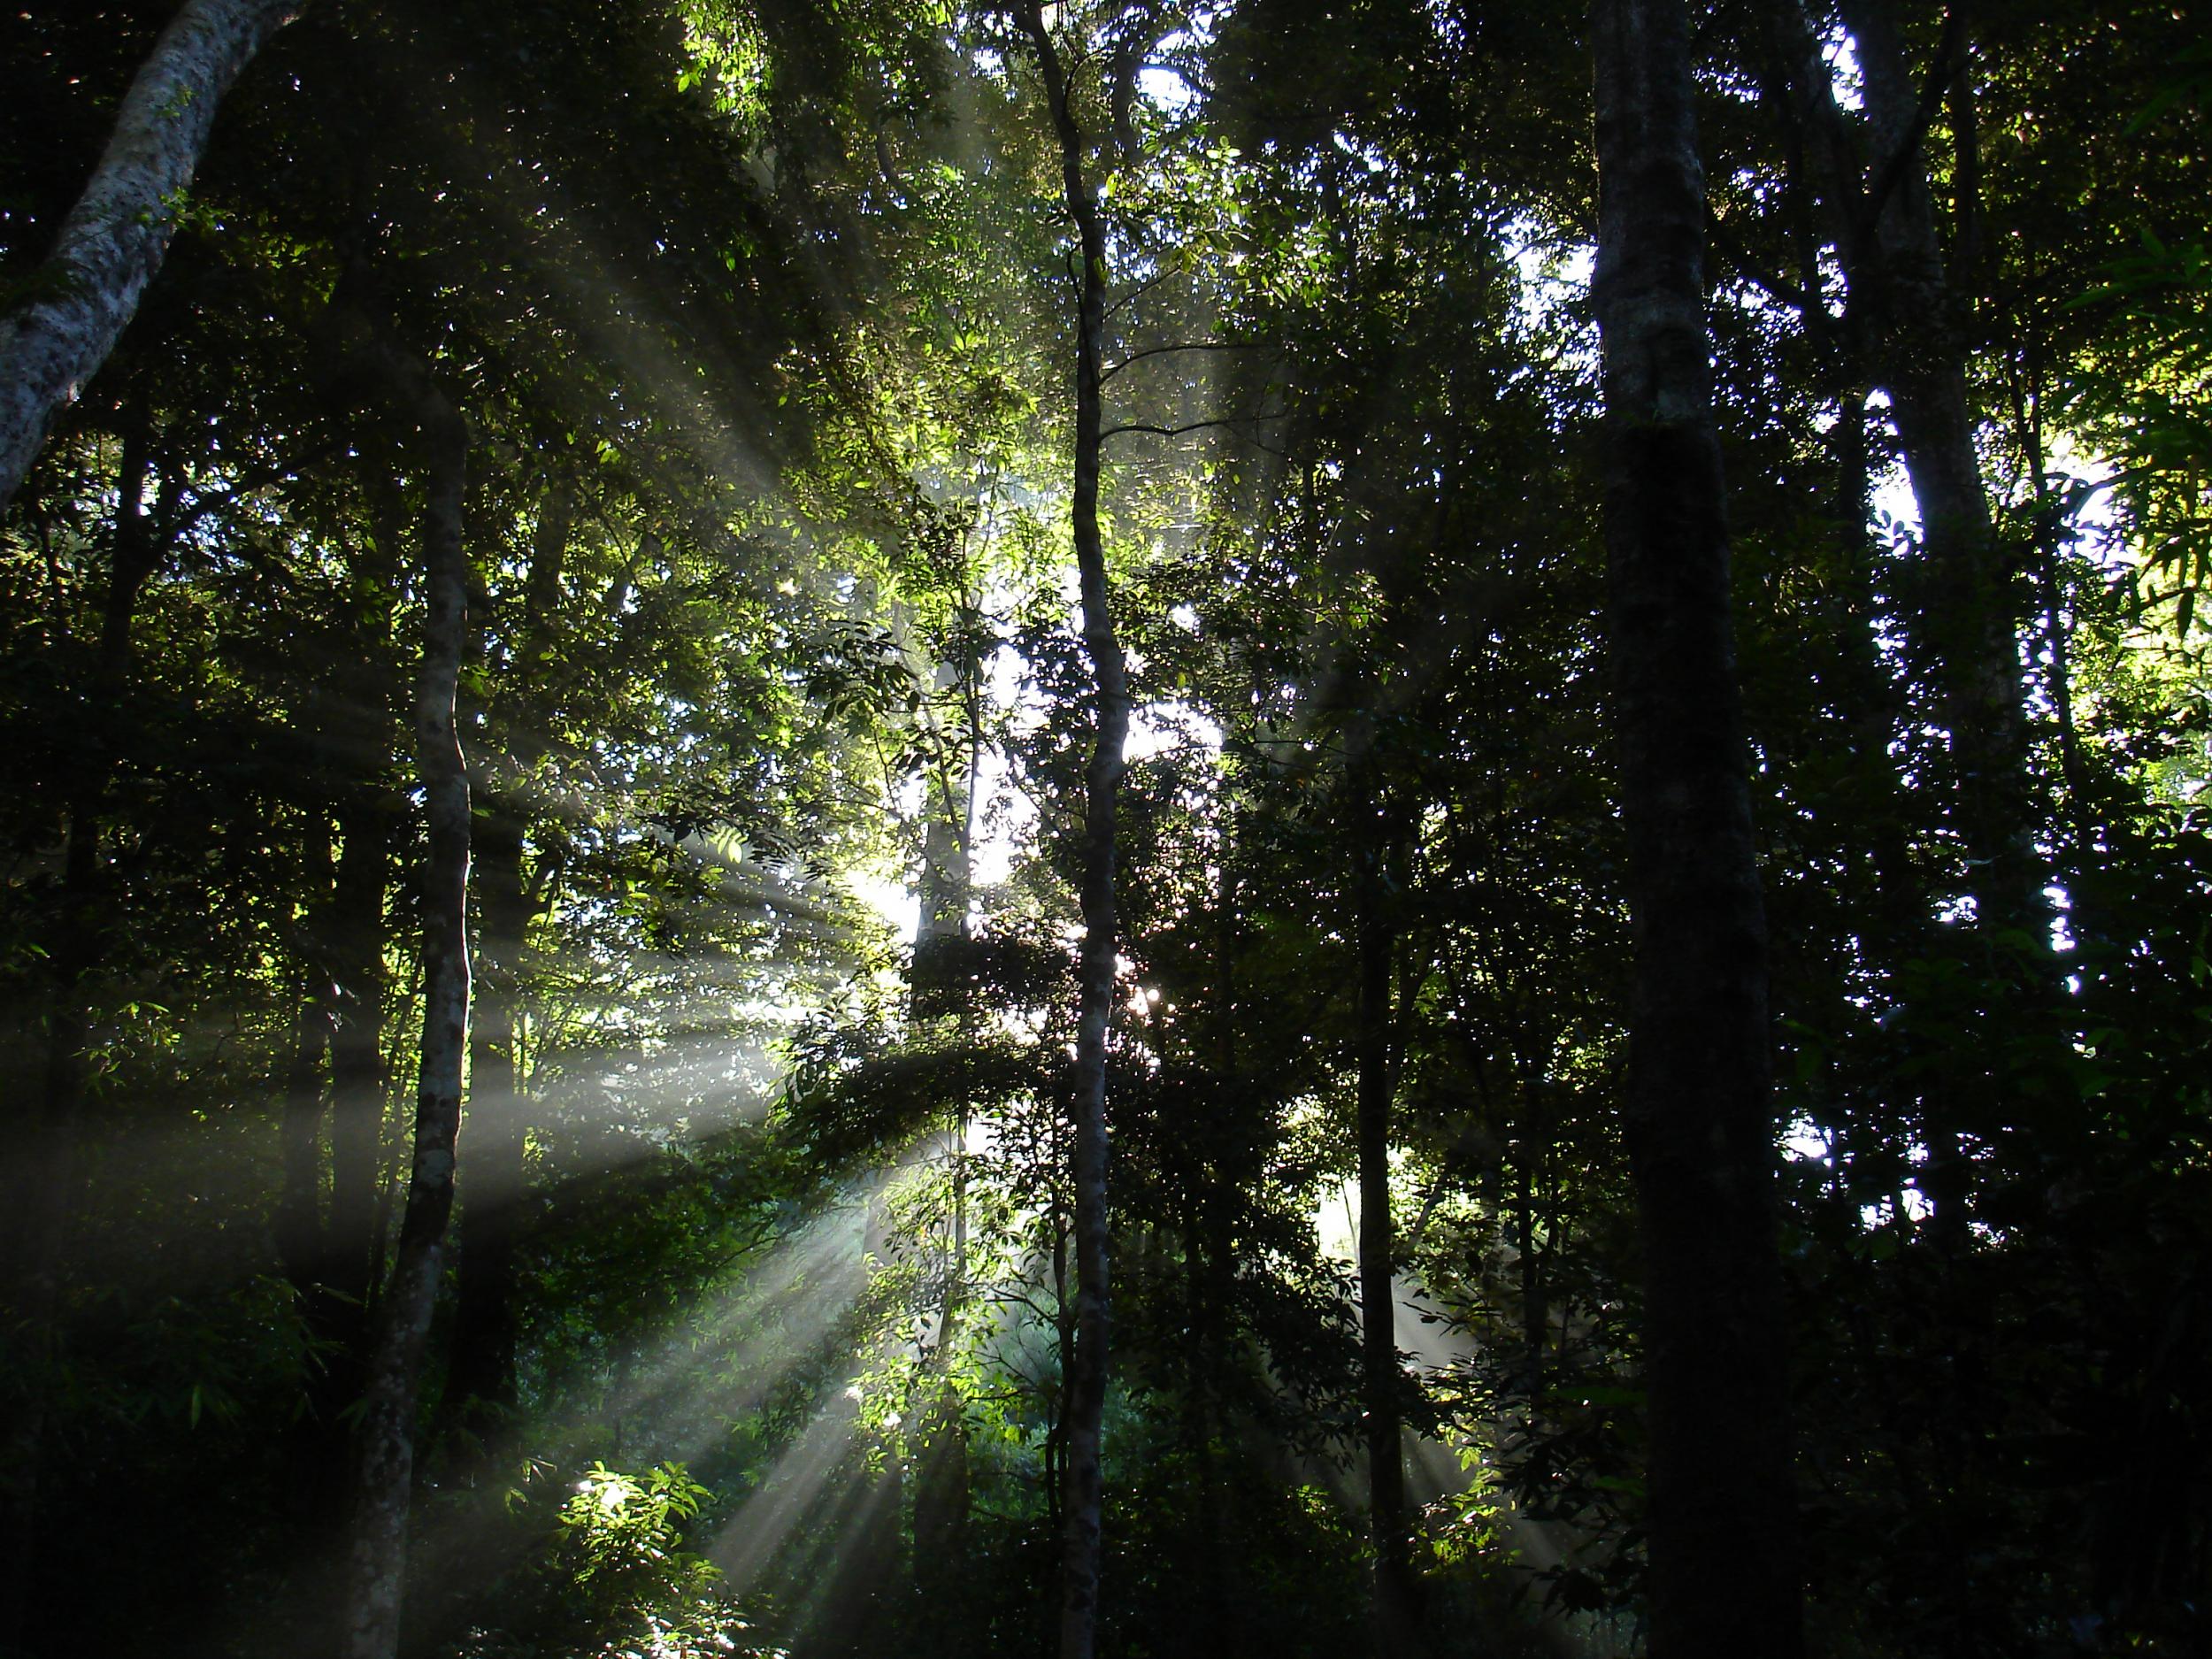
x,y
482,1382
351,969
943,1485
299,1220
1395,1610
1083,1512
1724,1577
114,238
356,1056
378,1557
1902,305
314,1464
43,1186
1969,624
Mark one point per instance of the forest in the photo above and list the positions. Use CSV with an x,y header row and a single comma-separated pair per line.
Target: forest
x,y
1126,828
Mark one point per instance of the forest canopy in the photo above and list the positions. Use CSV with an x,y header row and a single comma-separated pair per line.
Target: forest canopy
x,y
1133,827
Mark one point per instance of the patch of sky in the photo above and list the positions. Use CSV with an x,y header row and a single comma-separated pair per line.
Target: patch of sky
x,y
1842,57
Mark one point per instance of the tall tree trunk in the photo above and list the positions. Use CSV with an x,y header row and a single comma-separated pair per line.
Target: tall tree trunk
x,y
1082,1514
114,238
1395,1614
1724,1576
299,1220
356,1054
387,1436
43,1188
351,942
481,1381
1970,623
945,855
314,1469
1912,320
481,1385
942,1490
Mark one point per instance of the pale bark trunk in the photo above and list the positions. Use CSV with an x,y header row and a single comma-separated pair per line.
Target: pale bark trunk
x,y
1082,1513
114,238
387,1436
1722,1569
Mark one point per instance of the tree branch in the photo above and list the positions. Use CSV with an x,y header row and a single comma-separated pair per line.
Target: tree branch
x,y
1111,370
1195,426
1893,172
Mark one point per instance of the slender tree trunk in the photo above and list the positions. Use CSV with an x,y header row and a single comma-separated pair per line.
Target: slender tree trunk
x,y
1395,1611
481,1385
387,1434
480,1381
1970,621
357,1079
1724,1577
1913,321
299,1220
352,942
1209,1569
43,1188
314,1466
326,1281
1083,1512
945,852
1535,1315
942,1490
114,238
2050,537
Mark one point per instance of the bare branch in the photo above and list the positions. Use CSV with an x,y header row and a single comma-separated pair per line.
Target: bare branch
x,y
1195,426
1111,370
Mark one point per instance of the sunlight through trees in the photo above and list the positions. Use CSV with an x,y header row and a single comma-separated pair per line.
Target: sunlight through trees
x,y
1133,827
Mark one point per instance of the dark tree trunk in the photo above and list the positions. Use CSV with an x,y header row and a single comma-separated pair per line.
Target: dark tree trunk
x,y
378,1560
1082,1514
481,1385
314,1467
351,942
299,1218
1724,1576
1382,1375
114,238
943,1487
358,1079
1908,320
42,1188
480,1382
1969,623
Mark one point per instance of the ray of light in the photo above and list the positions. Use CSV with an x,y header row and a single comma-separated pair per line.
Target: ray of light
x,y
751,1541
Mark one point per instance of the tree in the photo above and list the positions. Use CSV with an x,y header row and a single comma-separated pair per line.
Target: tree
x,y
764,1322
60,331
1724,1572
1109,730
385,1484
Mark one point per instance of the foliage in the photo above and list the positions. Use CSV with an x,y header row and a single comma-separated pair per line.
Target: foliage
x,y
758,314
